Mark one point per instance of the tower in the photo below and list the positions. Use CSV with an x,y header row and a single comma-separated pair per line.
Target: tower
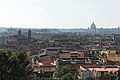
x,y
29,36
19,32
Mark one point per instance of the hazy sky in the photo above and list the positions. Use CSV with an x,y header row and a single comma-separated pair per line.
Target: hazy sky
x,y
59,13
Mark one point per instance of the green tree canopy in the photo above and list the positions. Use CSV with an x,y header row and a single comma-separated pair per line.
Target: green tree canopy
x,y
14,65
66,73
90,78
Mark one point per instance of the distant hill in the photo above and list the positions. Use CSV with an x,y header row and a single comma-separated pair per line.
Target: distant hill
x,y
2,29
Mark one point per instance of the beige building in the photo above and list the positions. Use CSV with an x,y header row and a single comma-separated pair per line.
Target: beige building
x,y
109,51
111,54
72,54
114,57
97,71
64,55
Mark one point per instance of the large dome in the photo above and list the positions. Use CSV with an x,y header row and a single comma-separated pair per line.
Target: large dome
x,y
93,26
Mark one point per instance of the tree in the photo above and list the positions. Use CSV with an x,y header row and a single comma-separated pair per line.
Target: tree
x,y
66,73
90,78
67,76
15,66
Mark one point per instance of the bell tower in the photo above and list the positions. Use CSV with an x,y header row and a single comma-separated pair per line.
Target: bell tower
x,y
29,36
19,32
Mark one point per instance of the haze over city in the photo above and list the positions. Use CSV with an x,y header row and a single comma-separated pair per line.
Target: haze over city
x,y
59,13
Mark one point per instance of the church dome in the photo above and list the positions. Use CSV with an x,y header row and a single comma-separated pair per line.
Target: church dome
x,y
93,26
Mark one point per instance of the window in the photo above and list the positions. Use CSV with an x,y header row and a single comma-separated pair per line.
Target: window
x,y
97,52
93,52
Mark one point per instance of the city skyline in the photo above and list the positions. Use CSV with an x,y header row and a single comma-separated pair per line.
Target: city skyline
x,y
59,13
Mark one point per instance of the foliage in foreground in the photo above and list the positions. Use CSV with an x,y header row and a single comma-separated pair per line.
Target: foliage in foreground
x,y
90,78
66,73
14,66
